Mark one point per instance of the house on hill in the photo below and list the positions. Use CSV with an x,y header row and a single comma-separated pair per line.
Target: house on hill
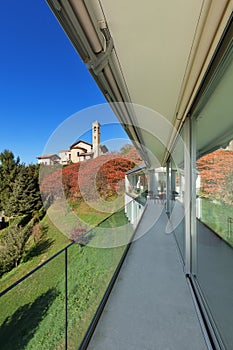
x,y
79,151
82,150
49,159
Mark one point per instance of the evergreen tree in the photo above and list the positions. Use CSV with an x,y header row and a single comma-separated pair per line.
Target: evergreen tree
x,y
12,247
25,196
9,169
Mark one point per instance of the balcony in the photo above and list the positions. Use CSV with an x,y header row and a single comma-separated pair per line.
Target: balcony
x,y
151,305
135,54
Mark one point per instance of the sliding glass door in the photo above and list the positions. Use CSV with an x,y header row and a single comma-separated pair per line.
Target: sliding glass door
x,y
212,121
177,187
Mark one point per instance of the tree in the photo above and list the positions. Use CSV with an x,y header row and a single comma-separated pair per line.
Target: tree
x,y
50,184
110,178
125,148
130,152
70,181
19,186
216,175
102,176
12,247
228,189
25,196
9,169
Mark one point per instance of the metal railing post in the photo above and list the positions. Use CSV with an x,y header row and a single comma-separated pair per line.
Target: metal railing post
x,y
66,299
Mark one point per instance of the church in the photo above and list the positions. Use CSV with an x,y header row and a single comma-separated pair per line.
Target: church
x,y
78,151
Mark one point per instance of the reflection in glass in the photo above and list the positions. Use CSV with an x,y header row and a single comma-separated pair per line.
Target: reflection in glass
x,y
177,195
215,237
136,182
215,192
212,120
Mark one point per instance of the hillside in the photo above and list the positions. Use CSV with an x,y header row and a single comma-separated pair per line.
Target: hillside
x,y
94,179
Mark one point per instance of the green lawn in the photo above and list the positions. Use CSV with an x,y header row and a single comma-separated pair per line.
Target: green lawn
x,y
54,241
33,313
216,215
89,215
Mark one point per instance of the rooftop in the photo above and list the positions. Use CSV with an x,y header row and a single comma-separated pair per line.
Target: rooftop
x,y
46,156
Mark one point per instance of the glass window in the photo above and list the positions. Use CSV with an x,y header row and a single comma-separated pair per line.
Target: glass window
x,y
214,199
215,191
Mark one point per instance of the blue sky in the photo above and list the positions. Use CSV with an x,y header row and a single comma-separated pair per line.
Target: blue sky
x,y
42,80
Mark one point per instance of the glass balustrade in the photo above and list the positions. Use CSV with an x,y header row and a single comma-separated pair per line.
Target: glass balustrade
x,y
52,307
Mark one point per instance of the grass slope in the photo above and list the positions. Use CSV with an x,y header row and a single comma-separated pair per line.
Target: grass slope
x,y
33,313
54,241
216,216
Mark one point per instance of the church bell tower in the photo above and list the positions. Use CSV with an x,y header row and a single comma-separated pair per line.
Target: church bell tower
x,y
96,138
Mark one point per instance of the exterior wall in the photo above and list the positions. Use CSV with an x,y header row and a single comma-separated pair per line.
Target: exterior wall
x,y
133,210
75,154
85,145
80,151
50,160
65,156
136,183
44,161
85,156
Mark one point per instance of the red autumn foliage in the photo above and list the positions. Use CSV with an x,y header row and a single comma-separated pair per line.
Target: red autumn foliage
x,y
102,176
110,178
70,180
50,184
129,152
216,175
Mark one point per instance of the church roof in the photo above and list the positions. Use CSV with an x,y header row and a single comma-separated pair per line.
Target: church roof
x,y
75,144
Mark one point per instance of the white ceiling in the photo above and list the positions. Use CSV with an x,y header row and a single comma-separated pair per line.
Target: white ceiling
x,y
153,40
162,50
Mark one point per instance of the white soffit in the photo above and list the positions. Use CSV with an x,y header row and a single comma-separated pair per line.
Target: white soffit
x,y
153,40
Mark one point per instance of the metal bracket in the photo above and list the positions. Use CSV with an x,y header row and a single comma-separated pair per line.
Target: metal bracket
x,y
56,5
97,64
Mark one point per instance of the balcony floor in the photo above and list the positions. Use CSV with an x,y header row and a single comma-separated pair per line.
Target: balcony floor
x,y
150,307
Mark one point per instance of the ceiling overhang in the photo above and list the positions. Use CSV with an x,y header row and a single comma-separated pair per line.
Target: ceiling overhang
x,y
151,54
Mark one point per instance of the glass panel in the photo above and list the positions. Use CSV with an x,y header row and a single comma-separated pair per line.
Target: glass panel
x,y
160,175
215,236
136,183
214,192
214,201
90,269
33,312
54,306
177,194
